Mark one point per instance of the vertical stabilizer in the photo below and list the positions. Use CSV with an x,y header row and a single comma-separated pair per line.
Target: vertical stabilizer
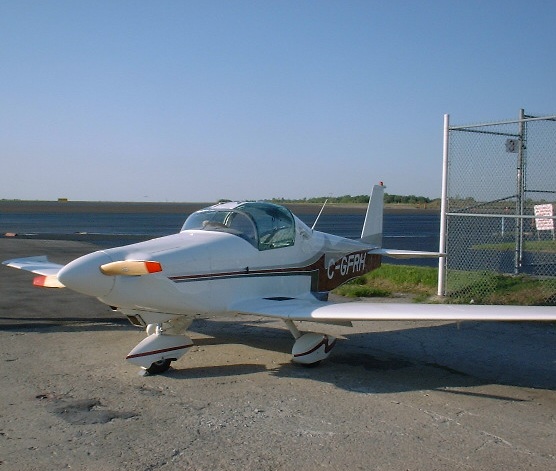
x,y
372,227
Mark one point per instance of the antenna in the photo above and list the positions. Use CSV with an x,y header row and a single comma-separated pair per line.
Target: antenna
x,y
320,212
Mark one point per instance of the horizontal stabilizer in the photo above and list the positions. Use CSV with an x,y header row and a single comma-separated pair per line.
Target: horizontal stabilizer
x,y
394,253
320,311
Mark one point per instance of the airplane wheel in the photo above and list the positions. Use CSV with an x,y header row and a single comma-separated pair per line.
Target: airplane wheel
x,y
159,367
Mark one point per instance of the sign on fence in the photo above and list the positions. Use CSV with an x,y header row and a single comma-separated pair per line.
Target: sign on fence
x,y
544,210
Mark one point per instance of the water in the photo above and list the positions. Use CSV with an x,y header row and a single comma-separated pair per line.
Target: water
x,y
146,225
411,230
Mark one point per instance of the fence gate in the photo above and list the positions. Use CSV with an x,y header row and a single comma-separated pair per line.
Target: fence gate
x,y
499,179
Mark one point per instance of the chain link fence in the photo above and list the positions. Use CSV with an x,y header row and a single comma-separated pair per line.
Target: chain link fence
x,y
500,178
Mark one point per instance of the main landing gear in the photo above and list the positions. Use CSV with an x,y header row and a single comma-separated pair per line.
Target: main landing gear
x,y
310,348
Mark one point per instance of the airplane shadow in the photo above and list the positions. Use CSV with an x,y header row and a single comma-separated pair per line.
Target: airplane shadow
x,y
64,324
436,357
439,357
218,371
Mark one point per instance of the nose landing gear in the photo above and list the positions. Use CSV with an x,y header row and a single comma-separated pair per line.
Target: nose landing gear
x,y
156,352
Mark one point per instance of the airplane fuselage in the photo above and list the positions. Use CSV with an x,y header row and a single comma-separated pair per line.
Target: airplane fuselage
x,y
208,271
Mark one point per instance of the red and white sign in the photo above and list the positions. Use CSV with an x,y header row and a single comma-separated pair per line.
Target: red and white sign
x,y
544,224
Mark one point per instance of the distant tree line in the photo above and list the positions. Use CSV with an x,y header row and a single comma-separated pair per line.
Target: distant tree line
x,y
388,199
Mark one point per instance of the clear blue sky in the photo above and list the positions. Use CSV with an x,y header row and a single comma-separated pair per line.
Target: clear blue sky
x,y
200,100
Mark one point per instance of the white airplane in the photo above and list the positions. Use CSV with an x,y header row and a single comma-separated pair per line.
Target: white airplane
x,y
252,258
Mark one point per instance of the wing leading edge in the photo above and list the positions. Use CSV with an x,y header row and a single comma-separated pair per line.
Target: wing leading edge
x,y
319,311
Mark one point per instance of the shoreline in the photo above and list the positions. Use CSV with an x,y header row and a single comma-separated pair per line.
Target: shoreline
x,y
33,207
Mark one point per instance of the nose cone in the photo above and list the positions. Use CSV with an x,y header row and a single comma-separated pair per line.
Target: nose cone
x,y
84,276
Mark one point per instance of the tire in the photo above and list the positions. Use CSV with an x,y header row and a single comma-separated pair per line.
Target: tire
x,y
159,367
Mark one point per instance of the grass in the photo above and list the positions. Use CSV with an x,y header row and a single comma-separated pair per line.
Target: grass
x,y
544,246
390,279
483,287
464,286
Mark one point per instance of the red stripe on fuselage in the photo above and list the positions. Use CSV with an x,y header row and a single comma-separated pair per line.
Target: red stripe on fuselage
x,y
319,264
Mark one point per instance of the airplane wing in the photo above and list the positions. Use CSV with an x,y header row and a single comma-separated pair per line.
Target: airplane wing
x,y
328,312
41,266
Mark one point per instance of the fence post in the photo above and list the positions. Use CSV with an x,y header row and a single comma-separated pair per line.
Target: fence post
x,y
443,209
520,193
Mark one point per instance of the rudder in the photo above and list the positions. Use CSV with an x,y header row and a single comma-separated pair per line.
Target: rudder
x,y
372,227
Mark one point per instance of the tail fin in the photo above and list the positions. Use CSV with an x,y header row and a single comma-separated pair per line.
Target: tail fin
x,y
372,227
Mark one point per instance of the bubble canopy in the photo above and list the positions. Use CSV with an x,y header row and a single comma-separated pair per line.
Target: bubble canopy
x,y
264,225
